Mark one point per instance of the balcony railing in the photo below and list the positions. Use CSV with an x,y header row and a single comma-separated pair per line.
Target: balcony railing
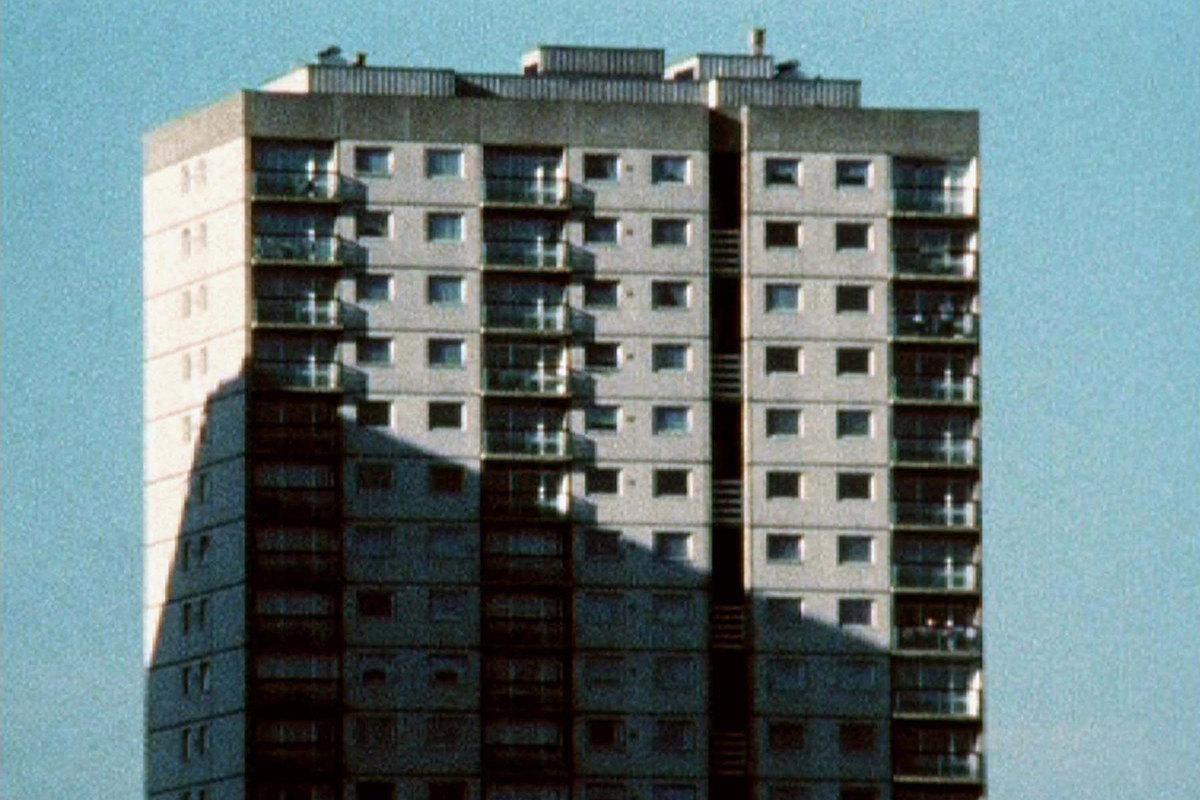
x,y
531,443
315,439
294,185
531,632
524,569
525,696
542,192
945,451
548,318
941,514
294,631
309,312
524,757
295,503
925,764
940,702
934,264
943,575
939,638
526,381
533,506
535,254
297,566
310,375
948,389
296,693
941,201
962,325
294,248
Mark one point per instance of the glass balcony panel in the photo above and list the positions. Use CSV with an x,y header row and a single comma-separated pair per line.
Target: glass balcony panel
x,y
530,442
953,514
296,693
297,374
295,184
964,389
525,381
525,253
949,201
936,450
936,325
942,702
294,438
920,763
533,632
284,631
297,247
311,311
525,316
937,575
295,503
298,565
940,638
939,264
535,190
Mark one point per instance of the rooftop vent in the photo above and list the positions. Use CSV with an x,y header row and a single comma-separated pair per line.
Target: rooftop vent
x,y
331,57
758,40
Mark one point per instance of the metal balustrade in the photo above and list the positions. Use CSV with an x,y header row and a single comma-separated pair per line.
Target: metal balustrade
x,y
310,312
962,325
941,201
939,638
941,575
950,389
293,374
924,763
534,190
525,381
306,248
534,254
294,185
531,442
937,702
948,451
942,514
549,318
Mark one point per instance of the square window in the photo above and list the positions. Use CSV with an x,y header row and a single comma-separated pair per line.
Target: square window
x,y
600,167
783,360
374,350
854,486
785,737
602,608
600,294
447,605
784,612
856,612
446,353
372,160
783,423
447,671
669,169
856,676
852,422
669,357
672,546
603,672
782,172
786,675
445,415
371,288
448,790
855,550
783,484
602,544
601,355
669,294
374,790
447,479
674,736
782,234
673,609
444,227
600,231
672,420
853,361
374,604
602,419
785,547
853,299
374,476
856,737
443,163
604,734
674,672
602,481
852,236
669,232
375,413
445,290
853,173
443,733
448,542
672,482
373,224
783,298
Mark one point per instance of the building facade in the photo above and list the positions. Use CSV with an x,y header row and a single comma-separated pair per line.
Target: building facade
x,y
609,430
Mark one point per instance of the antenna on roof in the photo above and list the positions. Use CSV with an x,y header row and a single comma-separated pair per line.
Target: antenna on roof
x,y
758,40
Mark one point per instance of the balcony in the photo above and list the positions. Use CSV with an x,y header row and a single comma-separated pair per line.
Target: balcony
x,y
524,633
939,638
959,703
294,503
934,200
532,443
938,765
517,380
938,514
296,693
536,191
297,249
524,569
942,451
527,760
526,317
954,325
933,264
296,185
294,632
522,505
541,255
297,567
936,576
308,375
525,696
297,312
935,388
295,439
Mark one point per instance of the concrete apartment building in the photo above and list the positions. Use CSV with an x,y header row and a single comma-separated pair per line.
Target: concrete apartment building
x,y
607,431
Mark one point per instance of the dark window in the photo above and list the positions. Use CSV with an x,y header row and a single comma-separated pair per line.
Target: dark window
x,y
669,232
669,294
600,355
856,737
853,298
854,486
853,361
671,482
853,422
783,484
853,173
374,223
782,234
446,478
374,604
600,294
600,231
445,415
374,413
373,287
602,481
783,359
599,167
852,236
782,171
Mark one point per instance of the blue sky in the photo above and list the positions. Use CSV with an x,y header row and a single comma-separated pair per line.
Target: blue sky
x,y
1091,122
